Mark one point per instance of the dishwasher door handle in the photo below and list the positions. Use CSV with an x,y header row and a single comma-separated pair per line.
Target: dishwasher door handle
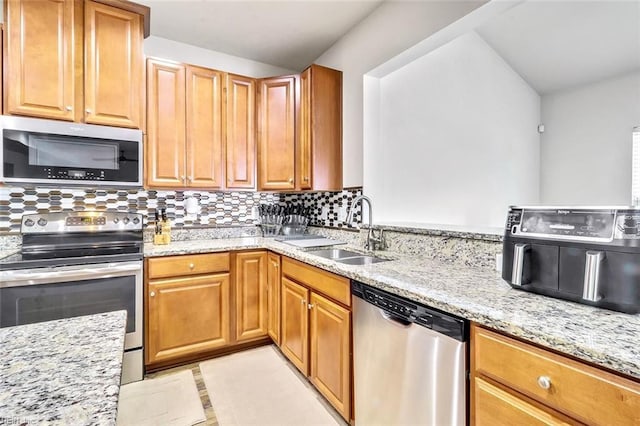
x,y
399,322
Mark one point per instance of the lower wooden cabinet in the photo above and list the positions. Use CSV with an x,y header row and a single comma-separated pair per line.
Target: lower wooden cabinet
x,y
251,295
273,297
187,315
537,386
316,331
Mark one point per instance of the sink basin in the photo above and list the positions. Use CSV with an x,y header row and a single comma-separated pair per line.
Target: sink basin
x,y
335,253
361,260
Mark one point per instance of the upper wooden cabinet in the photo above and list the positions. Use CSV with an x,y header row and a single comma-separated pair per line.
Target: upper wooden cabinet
x,y
319,152
240,113
73,60
184,129
276,134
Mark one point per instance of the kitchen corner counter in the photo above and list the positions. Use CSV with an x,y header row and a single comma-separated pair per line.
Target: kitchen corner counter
x,y
599,336
62,372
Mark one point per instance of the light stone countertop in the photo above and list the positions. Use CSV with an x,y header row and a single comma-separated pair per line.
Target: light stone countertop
x,y
64,372
600,336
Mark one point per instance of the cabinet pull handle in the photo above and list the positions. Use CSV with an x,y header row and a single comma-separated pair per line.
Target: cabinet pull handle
x,y
191,266
544,382
152,294
69,108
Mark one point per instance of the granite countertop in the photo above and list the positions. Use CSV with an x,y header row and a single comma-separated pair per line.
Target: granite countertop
x,y
62,372
600,336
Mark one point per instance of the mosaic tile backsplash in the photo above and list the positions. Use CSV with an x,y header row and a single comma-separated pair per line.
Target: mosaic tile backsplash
x,y
215,208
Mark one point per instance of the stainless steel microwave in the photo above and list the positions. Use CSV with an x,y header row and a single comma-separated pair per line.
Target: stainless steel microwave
x,y
47,152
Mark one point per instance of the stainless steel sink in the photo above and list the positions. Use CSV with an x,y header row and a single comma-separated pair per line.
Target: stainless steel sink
x,y
361,260
347,256
335,253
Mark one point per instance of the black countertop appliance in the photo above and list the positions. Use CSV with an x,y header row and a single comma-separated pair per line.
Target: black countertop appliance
x,y
589,255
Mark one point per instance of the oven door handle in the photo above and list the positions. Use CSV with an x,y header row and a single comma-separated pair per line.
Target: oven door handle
x,y
13,279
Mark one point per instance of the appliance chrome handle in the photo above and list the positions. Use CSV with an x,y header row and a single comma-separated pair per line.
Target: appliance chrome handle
x,y
34,278
395,321
518,263
592,276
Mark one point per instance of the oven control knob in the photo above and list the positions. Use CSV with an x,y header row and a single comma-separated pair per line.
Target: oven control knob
x,y
42,221
29,222
125,220
136,220
116,220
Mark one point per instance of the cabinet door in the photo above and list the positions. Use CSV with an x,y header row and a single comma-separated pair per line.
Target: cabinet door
x,y
330,337
493,406
240,115
303,156
166,145
294,338
187,316
204,128
276,133
42,51
114,66
273,292
251,295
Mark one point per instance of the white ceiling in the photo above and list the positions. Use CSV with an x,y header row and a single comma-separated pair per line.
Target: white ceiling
x,y
557,44
289,34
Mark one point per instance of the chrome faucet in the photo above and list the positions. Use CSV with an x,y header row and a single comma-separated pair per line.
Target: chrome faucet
x,y
373,242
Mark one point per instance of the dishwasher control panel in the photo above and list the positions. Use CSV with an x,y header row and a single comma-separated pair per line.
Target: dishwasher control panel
x,y
410,312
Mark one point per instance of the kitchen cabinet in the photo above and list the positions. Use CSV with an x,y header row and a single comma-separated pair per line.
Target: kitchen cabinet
x,y
251,295
74,61
273,297
240,121
514,382
276,133
316,329
184,130
187,303
319,151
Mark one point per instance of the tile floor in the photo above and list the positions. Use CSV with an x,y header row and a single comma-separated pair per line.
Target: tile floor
x,y
206,402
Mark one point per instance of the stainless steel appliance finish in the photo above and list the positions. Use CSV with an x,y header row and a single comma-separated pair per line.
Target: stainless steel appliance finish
x,y
410,362
50,152
589,255
74,264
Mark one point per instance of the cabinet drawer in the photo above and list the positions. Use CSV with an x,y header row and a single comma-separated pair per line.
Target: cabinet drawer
x,y
193,264
494,406
591,395
334,286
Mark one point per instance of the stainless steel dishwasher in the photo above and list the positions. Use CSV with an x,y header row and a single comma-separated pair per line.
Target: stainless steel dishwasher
x,y
410,361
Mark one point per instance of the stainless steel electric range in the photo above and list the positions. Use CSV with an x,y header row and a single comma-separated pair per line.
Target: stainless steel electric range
x,y
73,264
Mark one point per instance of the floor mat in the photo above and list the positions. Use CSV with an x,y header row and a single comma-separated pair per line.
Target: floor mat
x,y
171,400
257,387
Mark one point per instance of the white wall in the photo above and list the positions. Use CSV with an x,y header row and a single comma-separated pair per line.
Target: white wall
x,y
168,49
390,29
457,140
585,151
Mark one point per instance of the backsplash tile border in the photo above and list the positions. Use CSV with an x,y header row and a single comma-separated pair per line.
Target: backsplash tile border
x,y
224,208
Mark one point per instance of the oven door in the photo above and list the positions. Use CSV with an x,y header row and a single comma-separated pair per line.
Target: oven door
x,y
45,294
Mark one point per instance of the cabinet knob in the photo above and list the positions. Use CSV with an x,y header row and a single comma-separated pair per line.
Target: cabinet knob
x,y
544,382
69,108
290,180
88,111
152,294
191,266
302,301
310,306
305,178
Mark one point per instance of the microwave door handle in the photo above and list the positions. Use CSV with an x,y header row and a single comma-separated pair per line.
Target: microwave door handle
x,y
24,279
517,269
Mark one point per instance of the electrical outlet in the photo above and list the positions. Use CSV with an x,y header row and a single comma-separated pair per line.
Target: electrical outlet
x,y
342,213
325,213
255,213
